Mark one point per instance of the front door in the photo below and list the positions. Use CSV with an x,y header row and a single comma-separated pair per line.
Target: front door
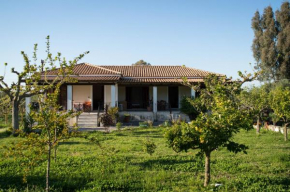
x,y
173,96
98,97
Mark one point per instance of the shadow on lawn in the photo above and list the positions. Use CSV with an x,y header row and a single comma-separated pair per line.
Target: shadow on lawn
x,y
172,164
147,134
37,183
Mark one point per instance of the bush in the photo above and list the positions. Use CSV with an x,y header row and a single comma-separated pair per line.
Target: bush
x,y
119,125
149,147
143,124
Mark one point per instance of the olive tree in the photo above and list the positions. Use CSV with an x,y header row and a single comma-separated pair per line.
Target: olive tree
x,y
215,128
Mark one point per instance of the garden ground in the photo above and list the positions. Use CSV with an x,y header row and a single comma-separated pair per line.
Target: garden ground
x,y
120,164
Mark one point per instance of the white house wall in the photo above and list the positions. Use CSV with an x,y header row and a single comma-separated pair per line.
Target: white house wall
x,y
82,93
151,93
184,91
107,92
122,93
162,93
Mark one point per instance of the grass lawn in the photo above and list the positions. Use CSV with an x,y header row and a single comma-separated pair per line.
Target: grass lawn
x,y
121,165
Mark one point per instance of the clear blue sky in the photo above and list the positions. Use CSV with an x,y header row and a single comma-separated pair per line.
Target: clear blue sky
x,y
210,35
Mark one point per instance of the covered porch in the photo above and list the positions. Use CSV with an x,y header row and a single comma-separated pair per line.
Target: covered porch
x,y
147,98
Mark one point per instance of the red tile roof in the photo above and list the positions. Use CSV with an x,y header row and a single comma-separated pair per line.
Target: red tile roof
x,y
159,71
136,74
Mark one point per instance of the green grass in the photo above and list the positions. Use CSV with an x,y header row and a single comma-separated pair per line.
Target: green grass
x,y
123,166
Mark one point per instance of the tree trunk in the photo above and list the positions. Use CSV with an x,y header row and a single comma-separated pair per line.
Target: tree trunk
x,y
285,132
207,169
55,147
258,125
15,115
48,168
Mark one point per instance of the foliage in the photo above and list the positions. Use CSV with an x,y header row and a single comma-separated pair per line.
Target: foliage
x,y
143,124
141,63
150,123
149,146
280,103
113,111
28,123
119,125
216,127
256,99
274,118
32,75
271,43
106,119
167,123
187,108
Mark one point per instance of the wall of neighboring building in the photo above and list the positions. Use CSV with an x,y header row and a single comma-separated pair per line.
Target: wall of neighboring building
x,y
82,93
183,91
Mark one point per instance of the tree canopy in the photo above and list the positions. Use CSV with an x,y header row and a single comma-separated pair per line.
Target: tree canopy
x,y
215,127
141,63
271,44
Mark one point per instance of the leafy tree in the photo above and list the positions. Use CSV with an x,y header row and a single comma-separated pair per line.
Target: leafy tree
x,y
141,63
215,128
256,99
271,42
187,108
31,76
280,103
5,107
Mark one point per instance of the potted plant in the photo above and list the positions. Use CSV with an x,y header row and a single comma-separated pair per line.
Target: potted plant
x,y
127,118
149,107
106,119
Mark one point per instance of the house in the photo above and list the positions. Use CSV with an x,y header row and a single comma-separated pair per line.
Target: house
x,y
144,92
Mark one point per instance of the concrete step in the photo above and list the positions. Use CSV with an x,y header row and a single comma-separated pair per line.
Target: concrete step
x,y
87,122
87,125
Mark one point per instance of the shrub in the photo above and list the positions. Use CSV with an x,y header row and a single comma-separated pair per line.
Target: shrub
x,y
143,124
119,125
149,147
150,123
113,111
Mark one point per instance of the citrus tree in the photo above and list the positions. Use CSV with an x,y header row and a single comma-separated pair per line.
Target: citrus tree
x,y
280,103
215,128
257,100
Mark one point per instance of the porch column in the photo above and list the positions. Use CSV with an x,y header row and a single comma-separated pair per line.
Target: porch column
x,y
69,97
117,94
27,103
192,93
113,96
155,102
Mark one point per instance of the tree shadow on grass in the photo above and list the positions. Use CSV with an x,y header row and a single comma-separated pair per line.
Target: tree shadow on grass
x,y
4,134
37,183
147,134
177,164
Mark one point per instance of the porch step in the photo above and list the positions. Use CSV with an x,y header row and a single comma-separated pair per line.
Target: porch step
x,y
88,125
88,120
